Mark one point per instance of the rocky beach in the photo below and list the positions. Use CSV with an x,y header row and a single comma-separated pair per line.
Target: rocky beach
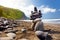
x,y
30,35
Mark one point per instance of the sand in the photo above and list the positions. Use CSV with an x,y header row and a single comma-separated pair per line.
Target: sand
x,y
55,30
30,35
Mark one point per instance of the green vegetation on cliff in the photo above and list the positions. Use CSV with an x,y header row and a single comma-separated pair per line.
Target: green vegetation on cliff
x,y
10,13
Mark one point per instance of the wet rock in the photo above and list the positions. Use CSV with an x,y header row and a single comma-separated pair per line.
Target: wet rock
x,y
39,32
23,30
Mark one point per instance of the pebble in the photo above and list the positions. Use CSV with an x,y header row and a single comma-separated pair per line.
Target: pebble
x,y
11,35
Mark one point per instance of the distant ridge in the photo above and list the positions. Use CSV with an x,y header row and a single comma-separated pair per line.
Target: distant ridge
x,y
11,13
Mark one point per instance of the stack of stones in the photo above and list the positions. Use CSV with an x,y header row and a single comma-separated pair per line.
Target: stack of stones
x,y
7,23
35,14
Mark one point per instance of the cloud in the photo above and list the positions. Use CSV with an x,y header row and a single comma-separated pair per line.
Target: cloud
x,y
27,9
13,3
18,4
46,9
25,6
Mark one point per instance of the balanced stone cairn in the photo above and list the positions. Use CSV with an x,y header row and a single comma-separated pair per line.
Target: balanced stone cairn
x,y
35,14
7,23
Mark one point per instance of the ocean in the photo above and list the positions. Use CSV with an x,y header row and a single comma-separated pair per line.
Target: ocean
x,y
55,21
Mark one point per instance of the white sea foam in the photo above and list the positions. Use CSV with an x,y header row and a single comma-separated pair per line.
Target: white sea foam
x,y
57,21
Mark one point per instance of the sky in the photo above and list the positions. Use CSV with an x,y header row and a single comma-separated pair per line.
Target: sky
x,y
50,8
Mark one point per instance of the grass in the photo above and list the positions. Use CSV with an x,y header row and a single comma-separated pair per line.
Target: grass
x,y
10,13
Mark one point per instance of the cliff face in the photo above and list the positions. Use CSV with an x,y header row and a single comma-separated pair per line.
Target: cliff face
x,y
24,17
11,13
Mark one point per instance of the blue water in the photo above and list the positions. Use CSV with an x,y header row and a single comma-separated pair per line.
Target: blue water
x,y
55,21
